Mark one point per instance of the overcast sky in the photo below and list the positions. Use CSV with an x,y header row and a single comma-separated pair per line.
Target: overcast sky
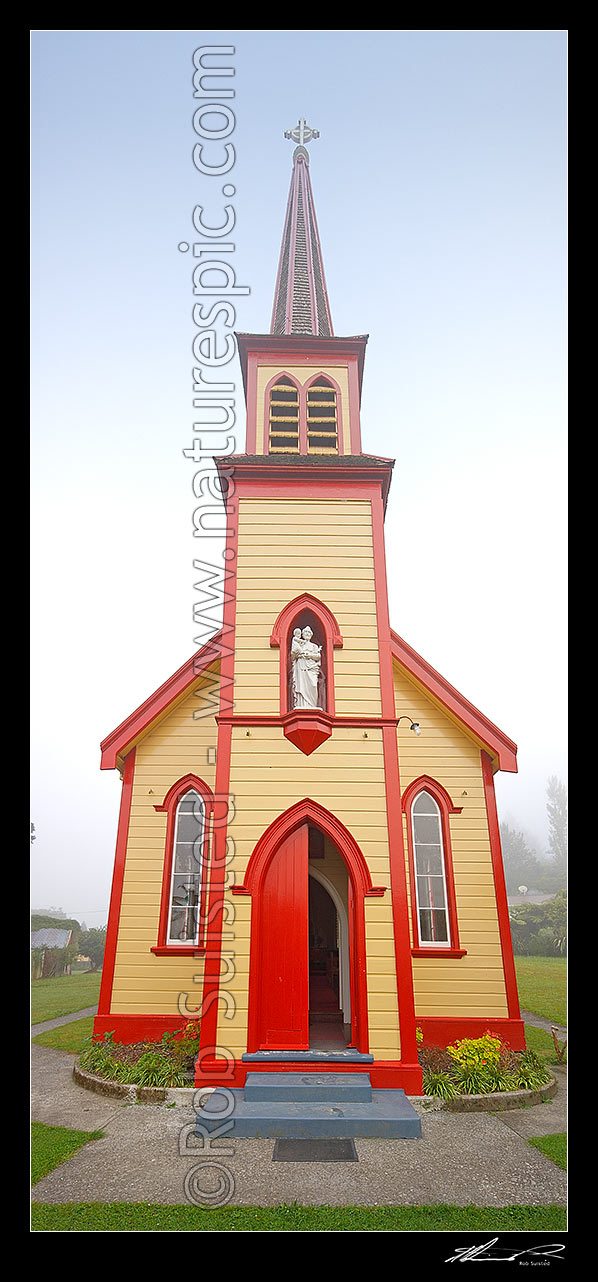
x,y
440,186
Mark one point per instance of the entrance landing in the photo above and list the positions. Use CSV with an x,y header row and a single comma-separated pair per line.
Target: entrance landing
x,y
295,1105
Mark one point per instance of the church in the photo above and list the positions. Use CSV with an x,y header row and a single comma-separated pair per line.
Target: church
x,y
308,857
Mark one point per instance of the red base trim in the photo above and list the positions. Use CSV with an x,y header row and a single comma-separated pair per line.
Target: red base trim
x,y
384,1074
438,1031
128,1029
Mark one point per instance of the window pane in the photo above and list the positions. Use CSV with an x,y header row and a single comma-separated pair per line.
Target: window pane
x,y
426,828
183,925
429,860
189,828
430,892
424,804
433,927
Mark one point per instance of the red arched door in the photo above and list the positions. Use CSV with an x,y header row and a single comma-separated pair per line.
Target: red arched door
x,y
283,975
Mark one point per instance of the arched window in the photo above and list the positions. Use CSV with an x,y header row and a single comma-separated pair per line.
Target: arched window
x,y
188,805
322,417
283,417
434,908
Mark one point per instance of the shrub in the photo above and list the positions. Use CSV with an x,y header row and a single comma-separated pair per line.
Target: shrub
x,y
439,1084
476,1052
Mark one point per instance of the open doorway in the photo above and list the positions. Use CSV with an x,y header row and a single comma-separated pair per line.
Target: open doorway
x,y
329,985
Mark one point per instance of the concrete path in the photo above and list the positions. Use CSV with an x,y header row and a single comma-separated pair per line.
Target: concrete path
x,y
149,1154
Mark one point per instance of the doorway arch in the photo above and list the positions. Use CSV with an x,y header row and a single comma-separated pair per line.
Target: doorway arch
x,y
277,880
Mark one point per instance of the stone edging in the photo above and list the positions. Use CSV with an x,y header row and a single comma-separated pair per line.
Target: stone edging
x,y
497,1102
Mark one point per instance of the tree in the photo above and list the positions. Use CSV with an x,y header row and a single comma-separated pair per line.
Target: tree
x,y
522,866
556,808
92,944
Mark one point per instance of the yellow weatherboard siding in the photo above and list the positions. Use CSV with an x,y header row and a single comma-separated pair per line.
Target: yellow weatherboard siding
x,y
290,546
175,746
303,374
473,985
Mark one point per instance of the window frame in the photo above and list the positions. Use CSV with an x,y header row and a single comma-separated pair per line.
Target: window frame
x,y
421,947
170,806
303,423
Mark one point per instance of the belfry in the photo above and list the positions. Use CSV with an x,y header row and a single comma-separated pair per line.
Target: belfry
x,y
312,866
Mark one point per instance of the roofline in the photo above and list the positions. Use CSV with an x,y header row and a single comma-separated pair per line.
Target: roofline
x,y
268,467
116,743
501,748
305,343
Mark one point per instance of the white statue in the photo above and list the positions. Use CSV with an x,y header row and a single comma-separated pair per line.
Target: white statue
x,y
306,658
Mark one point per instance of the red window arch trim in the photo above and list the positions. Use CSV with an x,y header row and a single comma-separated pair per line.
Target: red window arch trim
x,y
189,783
446,807
281,634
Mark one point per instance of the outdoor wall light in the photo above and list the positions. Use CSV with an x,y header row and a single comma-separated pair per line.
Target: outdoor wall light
x,y
413,726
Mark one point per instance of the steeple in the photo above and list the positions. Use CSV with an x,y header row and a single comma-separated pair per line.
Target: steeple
x,y
300,299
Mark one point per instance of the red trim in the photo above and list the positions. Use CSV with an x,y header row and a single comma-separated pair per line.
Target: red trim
x,y
500,889
304,479
170,804
298,349
129,1029
396,849
497,743
115,744
439,1031
354,407
117,886
308,811
446,807
212,980
384,1074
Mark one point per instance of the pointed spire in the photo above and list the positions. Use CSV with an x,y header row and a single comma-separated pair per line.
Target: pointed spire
x,y
300,299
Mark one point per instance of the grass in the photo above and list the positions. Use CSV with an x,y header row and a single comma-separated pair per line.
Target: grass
x,y
538,1040
542,984
122,1217
67,1037
52,1145
554,1147
51,998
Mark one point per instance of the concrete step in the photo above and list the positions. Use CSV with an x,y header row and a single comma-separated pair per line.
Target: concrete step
x,y
309,1088
388,1115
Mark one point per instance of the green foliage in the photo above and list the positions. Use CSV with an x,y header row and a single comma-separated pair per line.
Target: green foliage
x,y
162,1065
540,930
531,1072
439,1084
475,1052
92,944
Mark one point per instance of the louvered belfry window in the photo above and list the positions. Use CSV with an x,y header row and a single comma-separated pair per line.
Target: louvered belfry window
x,y
284,417
322,421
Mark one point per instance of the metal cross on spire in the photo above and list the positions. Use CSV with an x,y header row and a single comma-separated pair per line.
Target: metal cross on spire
x,y
302,133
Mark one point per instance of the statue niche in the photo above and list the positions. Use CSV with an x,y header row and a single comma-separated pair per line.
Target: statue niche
x,y
306,666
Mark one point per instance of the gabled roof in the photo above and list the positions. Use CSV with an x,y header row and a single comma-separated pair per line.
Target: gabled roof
x,y
116,745
50,937
500,747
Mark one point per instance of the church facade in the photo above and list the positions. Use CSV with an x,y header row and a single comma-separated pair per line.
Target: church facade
x,y
308,856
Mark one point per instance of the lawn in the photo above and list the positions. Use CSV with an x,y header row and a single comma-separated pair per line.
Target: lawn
x,y
542,984
67,1037
141,1217
51,998
52,1145
554,1147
